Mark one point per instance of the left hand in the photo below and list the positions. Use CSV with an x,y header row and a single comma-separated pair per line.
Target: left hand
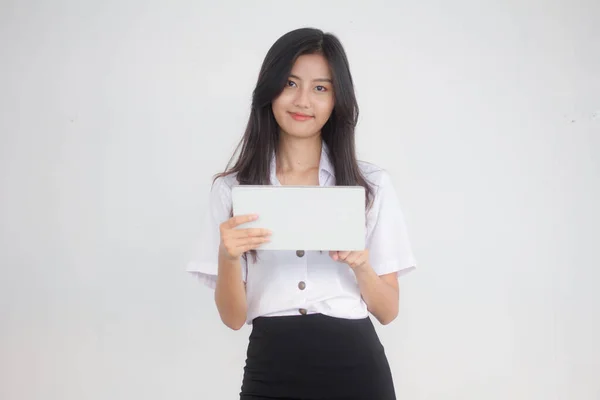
x,y
355,259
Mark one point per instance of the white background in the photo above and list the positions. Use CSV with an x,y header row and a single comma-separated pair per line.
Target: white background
x,y
114,115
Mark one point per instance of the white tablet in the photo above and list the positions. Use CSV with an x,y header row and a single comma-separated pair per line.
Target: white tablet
x,y
305,217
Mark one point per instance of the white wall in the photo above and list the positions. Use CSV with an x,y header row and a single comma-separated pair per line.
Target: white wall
x,y
115,114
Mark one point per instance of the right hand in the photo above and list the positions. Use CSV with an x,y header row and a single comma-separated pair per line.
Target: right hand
x,y
235,242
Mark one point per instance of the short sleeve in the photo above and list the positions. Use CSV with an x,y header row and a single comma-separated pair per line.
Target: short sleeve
x,y
204,261
388,242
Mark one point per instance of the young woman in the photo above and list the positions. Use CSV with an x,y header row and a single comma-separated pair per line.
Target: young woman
x,y
312,337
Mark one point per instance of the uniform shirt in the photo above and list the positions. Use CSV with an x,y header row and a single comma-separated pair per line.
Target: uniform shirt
x,y
305,282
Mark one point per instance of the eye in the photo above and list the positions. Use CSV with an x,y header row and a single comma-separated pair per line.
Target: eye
x,y
291,83
321,89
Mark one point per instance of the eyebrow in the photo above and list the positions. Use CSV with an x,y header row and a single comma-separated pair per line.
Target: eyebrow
x,y
314,80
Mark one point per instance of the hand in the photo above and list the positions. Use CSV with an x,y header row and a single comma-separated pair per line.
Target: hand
x,y
355,259
235,242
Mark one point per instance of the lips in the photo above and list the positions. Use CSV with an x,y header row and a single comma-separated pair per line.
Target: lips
x,y
300,116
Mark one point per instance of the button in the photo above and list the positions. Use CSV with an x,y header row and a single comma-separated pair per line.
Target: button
x,y
302,311
300,253
301,285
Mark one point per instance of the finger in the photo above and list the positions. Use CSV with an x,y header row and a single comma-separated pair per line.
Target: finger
x,y
353,259
251,232
333,255
362,258
241,219
253,241
343,255
253,246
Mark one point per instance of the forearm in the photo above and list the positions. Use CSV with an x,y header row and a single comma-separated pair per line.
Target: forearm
x,y
381,297
230,293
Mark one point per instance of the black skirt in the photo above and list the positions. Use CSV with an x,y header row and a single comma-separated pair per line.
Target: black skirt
x,y
315,357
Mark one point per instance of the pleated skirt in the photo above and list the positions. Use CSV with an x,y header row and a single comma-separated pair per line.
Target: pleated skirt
x,y
315,357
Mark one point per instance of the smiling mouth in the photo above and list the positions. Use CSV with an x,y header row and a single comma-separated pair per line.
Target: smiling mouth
x,y
300,116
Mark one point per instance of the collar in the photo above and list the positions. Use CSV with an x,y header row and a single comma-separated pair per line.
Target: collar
x,y
326,169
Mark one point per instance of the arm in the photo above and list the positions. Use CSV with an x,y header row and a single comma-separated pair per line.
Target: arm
x,y
230,293
381,293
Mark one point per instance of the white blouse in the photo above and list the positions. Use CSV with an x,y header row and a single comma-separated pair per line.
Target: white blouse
x,y
306,282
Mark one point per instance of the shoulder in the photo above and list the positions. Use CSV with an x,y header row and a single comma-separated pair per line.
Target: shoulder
x,y
376,176
221,187
225,183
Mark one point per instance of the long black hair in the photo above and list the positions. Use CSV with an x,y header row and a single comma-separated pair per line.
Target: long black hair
x,y
261,138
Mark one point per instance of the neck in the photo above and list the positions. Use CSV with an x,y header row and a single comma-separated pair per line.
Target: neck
x,y
298,154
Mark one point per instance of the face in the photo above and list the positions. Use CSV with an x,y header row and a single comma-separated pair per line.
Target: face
x,y
307,100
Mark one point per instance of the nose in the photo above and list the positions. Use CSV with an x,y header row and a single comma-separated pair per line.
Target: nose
x,y
302,99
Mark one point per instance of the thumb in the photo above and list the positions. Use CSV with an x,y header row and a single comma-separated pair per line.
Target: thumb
x,y
334,255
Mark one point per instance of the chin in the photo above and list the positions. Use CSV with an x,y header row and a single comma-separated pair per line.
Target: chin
x,y
301,133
